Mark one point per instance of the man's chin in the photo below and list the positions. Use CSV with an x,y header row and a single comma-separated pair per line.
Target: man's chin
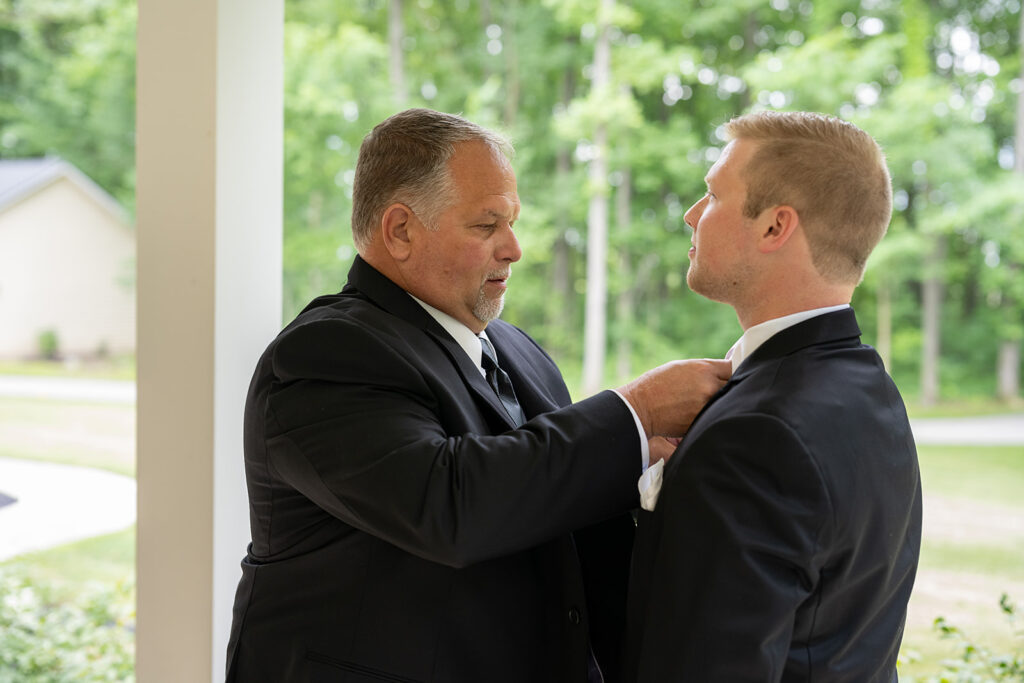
x,y
693,282
486,311
698,286
710,291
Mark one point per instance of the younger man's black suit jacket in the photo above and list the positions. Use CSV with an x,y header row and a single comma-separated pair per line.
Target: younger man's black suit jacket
x,y
785,540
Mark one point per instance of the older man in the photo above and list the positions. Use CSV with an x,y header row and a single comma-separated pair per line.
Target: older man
x,y
426,505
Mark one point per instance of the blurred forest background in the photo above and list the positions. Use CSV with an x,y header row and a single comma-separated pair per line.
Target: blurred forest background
x,y
615,108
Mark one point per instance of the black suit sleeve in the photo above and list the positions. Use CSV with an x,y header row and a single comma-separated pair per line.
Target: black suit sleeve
x,y
740,523
361,433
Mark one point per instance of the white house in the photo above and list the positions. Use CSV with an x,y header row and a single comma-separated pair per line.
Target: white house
x,y
67,262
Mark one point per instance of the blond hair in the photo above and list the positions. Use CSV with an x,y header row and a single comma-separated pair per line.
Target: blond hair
x,y
405,159
829,170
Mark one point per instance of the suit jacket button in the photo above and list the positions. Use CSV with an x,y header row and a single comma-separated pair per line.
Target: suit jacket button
x,y
574,616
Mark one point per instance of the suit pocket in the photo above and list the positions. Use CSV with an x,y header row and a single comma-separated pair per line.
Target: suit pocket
x,y
324,669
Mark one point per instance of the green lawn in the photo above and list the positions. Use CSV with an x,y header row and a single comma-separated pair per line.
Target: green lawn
x,y
992,474
1005,561
91,434
963,408
69,568
119,367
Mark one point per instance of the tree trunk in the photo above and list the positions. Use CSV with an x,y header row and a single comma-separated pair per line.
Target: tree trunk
x,y
561,308
561,283
561,275
625,313
1018,164
511,64
1008,371
396,34
932,324
597,223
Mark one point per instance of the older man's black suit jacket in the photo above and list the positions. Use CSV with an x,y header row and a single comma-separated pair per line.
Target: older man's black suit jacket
x,y
784,543
402,530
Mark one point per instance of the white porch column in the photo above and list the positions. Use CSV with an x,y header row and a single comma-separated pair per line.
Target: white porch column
x,y
209,168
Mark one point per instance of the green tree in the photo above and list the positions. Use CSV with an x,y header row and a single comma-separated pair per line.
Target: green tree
x,y
67,86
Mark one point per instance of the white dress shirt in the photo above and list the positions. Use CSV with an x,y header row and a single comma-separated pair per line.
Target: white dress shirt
x,y
463,336
470,343
650,481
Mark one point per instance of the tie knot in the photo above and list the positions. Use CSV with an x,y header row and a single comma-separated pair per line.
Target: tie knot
x,y
488,353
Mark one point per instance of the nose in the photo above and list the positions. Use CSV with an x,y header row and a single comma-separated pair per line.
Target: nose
x,y
508,249
693,214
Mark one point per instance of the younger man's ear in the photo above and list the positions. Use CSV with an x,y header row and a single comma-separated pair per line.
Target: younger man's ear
x,y
777,226
395,230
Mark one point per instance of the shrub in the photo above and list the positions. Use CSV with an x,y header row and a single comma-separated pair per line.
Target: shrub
x,y
49,345
46,641
977,663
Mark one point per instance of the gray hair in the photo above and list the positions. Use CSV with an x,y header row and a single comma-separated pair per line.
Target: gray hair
x,y
405,159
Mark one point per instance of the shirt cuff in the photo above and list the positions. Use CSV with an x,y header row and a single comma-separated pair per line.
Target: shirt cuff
x,y
645,450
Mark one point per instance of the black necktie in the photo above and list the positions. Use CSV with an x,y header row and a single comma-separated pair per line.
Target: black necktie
x,y
500,382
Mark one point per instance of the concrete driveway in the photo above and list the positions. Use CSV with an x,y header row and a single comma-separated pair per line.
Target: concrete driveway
x,y
98,390
57,504
988,430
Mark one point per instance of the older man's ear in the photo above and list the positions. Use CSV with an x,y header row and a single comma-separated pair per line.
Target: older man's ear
x,y
395,231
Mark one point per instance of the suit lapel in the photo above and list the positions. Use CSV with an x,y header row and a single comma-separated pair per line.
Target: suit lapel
x,y
468,371
392,298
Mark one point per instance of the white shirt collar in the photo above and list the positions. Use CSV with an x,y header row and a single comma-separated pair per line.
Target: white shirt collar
x,y
463,336
762,332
